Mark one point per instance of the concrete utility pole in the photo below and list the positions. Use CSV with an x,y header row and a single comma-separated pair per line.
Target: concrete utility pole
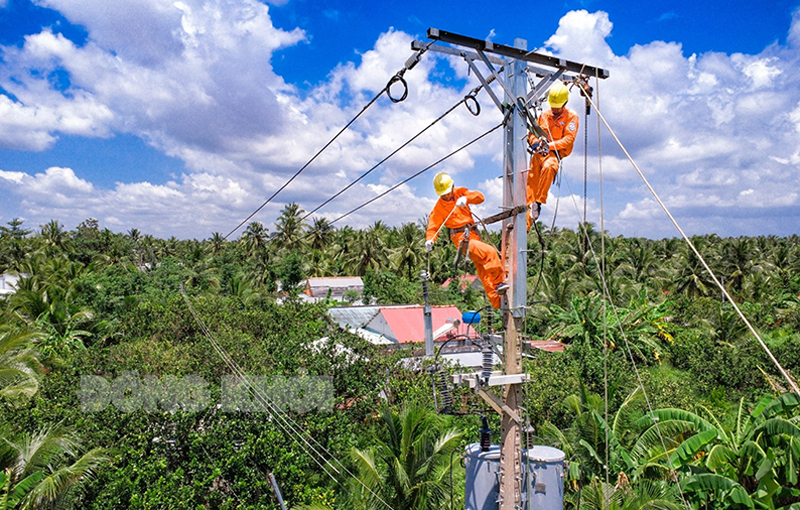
x,y
517,67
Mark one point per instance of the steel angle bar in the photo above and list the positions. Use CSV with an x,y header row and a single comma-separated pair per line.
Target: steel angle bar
x,y
418,45
544,82
497,77
484,82
516,53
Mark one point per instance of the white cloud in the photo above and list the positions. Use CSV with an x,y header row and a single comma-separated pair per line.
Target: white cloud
x,y
194,78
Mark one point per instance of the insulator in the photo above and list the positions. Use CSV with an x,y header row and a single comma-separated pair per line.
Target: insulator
x,y
487,363
528,431
444,391
486,434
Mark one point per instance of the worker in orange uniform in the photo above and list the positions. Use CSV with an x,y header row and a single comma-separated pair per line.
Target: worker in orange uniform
x,y
561,125
452,211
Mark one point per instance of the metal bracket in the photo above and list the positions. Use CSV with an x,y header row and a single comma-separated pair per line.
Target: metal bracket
x,y
474,379
484,82
547,80
498,405
497,77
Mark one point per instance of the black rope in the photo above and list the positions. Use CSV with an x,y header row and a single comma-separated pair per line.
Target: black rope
x,y
585,163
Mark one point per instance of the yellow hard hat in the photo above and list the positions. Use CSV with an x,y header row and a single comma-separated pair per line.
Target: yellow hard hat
x,y
442,183
558,96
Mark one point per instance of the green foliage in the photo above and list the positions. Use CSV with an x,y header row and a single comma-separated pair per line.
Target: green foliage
x,y
102,303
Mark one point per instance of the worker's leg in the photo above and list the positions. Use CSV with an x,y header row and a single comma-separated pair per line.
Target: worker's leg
x,y
540,176
532,182
547,174
488,266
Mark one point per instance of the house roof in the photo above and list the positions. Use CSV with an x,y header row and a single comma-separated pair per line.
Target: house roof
x,y
465,280
353,316
335,281
406,324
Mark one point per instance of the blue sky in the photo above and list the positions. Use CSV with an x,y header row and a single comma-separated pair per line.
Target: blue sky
x,y
181,117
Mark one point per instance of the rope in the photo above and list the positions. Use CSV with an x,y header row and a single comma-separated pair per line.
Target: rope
x,y
585,161
283,420
783,372
603,268
627,347
436,235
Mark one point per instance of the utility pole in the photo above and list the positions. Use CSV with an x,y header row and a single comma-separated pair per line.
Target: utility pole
x,y
515,244
511,68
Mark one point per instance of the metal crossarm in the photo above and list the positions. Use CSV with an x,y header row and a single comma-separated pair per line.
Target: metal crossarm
x,y
516,53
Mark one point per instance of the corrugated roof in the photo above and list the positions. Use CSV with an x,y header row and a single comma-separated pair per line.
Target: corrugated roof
x,y
335,281
353,316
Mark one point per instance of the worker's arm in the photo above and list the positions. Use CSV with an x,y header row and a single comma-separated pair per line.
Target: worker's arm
x,y
533,137
474,197
435,221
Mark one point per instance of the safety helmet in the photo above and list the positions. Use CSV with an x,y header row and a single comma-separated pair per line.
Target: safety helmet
x,y
558,96
442,183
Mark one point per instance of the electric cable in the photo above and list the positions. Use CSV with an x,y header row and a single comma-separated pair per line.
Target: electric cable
x,y
410,63
404,181
606,292
603,268
287,425
379,163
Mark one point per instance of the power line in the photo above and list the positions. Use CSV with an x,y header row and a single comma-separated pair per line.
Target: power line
x,y
416,174
287,425
379,163
293,177
397,78
792,383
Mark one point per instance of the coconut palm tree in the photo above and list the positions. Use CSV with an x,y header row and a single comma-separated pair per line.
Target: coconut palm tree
x,y
409,254
254,239
53,236
368,251
320,235
216,244
692,279
290,228
19,363
409,464
36,474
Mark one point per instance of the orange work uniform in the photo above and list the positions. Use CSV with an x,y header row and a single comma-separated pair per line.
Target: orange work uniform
x,y
485,257
561,131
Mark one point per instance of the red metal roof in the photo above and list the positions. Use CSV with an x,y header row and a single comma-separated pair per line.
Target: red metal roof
x,y
407,323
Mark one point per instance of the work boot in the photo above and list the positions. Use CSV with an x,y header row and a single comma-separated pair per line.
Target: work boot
x,y
534,212
501,288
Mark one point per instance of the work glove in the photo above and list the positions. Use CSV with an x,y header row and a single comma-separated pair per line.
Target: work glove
x,y
542,147
461,202
429,245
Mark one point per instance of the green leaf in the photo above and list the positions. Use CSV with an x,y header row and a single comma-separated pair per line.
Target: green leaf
x,y
726,487
688,449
